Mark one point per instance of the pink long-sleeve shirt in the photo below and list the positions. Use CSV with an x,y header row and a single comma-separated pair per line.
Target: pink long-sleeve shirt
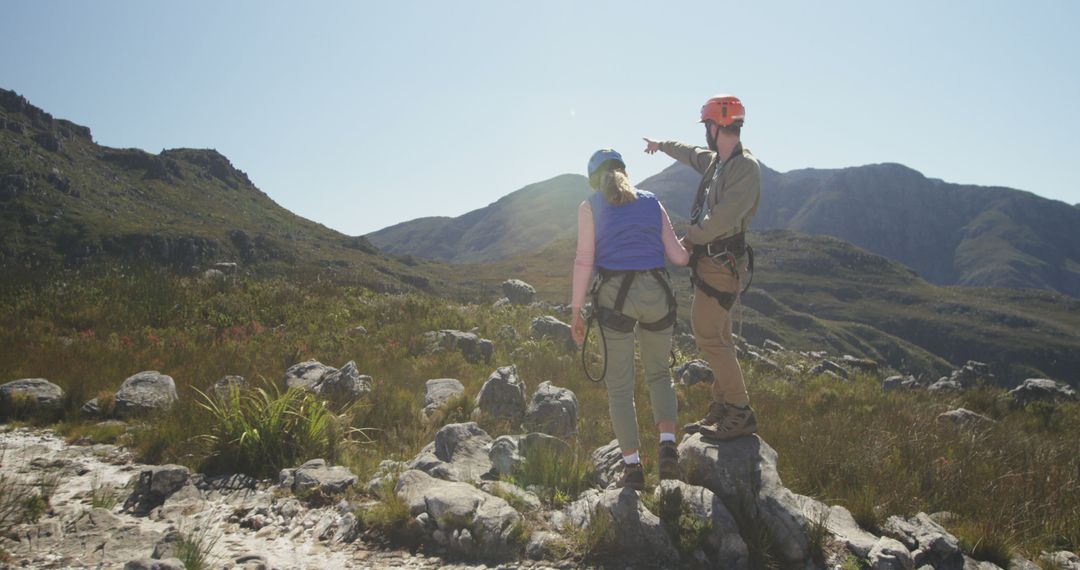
x,y
585,259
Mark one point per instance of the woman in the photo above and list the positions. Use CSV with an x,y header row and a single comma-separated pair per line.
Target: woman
x,y
625,234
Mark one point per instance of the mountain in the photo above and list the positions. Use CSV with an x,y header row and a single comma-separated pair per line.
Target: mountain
x,y
66,200
951,234
521,221
820,293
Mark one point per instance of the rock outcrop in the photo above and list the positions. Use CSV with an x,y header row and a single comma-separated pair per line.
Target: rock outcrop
x,y
30,396
145,392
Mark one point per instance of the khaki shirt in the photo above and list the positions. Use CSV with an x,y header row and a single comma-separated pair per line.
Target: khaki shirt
x,y
733,194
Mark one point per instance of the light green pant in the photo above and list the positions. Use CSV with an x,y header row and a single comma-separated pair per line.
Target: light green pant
x,y
647,302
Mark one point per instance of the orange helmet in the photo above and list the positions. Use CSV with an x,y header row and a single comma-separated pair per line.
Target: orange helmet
x,y
723,110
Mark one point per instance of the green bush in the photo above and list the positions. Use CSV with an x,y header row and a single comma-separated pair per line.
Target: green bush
x,y
259,432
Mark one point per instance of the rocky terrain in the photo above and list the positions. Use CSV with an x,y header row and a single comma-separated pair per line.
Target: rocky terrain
x,y
461,506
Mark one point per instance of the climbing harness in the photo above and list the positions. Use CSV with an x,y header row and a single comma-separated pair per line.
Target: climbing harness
x,y
726,251
614,318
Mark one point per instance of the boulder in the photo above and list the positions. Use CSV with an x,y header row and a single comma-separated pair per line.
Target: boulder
x,y
772,346
471,346
552,328
944,384
145,392
553,411
225,386
154,485
1041,389
341,387
864,364
890,554
623,525
462,518
304,374
722,546
1061,559
929,542
518,292
693,372
826,366
317,476
30,396
213,275
439,391
607,463
152,564
972,373
502,395
459,453
899,383
743,473
964,417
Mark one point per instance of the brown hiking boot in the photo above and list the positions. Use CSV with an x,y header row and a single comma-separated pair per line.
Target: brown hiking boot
x,y
633,476
735,422
712,417
669,461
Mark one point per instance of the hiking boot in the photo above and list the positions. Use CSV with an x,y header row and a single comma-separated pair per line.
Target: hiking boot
x,y
633,476
735,422
712,417
669,461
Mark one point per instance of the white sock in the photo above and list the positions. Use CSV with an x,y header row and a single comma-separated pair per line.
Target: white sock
x,y
632,458
664,436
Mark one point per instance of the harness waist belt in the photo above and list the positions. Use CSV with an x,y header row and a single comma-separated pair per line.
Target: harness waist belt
x,y
614,318
735,245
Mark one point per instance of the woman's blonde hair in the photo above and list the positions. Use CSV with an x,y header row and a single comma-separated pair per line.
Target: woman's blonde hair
x,y
615,185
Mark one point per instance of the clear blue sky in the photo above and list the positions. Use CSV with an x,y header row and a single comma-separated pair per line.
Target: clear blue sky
x,y
359,115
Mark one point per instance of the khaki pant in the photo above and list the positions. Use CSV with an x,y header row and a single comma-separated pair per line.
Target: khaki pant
x,y
647,302
712,332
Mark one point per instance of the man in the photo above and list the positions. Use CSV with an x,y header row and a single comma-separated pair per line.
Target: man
x,y
726,201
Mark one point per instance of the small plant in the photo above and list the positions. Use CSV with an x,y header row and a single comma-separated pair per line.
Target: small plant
x,y
864,510
983,543
817,535
561,476
195,548
595,542
512,499
390,516
103,496
687,531
33,507
457,409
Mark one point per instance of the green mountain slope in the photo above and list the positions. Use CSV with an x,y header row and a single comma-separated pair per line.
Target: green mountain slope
x,y
820,293
65,199
521,221
951,234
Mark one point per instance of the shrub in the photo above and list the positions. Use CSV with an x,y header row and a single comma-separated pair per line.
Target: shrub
x,y
561,476
259,432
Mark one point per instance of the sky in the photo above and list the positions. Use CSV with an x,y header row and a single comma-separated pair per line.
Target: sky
x,y
360,115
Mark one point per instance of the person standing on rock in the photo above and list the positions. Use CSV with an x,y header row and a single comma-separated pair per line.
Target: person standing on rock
x,y
726,201
625,234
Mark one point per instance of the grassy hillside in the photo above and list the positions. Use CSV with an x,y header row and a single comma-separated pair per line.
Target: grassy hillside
x,y
819,293
527,219
67,200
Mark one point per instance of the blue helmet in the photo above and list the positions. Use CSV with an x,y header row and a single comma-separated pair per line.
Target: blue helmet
x,y
600,157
